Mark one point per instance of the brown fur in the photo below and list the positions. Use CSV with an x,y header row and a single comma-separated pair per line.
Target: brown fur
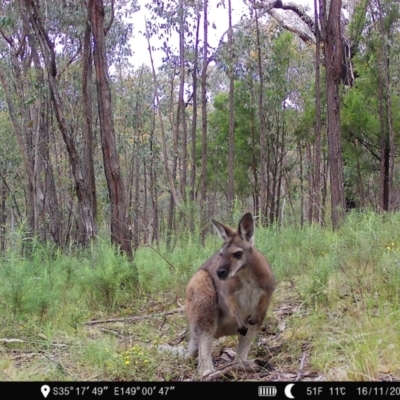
x,y
229,294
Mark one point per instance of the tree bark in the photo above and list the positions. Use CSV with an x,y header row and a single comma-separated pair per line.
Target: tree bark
x,y
87,156
153,187
331,36
263,139
86,224
3,214
385,114
231,151
194,118
119,227
181,100
203,189
160,117
317,215
333,60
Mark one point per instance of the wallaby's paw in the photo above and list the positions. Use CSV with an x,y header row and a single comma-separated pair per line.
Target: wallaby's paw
x,y
246,365
242,330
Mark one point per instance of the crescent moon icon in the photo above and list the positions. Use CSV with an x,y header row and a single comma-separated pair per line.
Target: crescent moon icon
x,y
288,391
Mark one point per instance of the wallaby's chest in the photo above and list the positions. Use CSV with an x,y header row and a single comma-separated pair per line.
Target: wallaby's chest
x,y
248,294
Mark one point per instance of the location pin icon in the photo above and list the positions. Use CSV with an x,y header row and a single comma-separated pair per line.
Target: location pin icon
x,y
45,390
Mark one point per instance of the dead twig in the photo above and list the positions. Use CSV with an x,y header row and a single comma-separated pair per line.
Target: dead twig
x,y
24,355
136,318
169,263
179,338
237,365
12,340
303,358
113,332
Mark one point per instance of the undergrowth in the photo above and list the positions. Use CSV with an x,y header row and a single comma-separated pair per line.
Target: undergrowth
x,y
343,286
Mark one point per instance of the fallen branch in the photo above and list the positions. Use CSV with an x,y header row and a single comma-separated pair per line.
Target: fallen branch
x,y
303,358
24,355
179,338
12,340
117,334
237,365
136,318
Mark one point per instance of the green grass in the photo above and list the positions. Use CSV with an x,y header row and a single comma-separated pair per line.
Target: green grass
x,y
337,304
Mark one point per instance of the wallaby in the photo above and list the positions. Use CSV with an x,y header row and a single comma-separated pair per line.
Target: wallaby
x,y
229,294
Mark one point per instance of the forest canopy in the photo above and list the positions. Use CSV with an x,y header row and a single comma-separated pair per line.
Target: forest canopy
x,y
293,116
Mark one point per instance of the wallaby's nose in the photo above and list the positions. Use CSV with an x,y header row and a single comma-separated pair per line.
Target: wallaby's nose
x,y
222,273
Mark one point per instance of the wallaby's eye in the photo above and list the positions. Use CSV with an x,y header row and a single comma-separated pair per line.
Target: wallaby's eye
x,y
238,255
220,253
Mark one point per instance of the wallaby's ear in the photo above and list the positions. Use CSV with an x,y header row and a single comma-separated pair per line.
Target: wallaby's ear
x,y
246,227
224,231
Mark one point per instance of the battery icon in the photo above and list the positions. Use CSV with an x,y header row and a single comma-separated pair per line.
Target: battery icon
x,y
266,391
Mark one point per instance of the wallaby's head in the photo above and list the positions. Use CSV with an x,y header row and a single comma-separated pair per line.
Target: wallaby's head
x,y
237,249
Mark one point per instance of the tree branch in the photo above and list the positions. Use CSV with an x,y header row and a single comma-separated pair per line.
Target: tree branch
x,y
289,20
107,28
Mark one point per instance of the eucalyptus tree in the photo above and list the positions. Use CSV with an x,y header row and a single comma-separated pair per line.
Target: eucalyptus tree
x,y
139,145
231,152
11,198
337,62
44,47
371,115
268,78
168,18
22,79
204,122
186,21
385,17
120,234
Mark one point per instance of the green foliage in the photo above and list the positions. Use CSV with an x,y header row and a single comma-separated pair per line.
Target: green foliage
x,y
364,115
136,361
246,140
46,283
344,287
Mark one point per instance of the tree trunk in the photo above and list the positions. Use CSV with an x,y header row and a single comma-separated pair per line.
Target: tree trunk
x,y
385,114
18,130
317,215
86,224
3,214
153,187
231,152
160,117
119,227
299,150
136,203
181,100
87,156
333,60
203,189
43,169
263,139
171,210
194,119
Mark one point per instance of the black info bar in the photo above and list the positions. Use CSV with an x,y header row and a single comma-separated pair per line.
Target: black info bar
x,y
176,390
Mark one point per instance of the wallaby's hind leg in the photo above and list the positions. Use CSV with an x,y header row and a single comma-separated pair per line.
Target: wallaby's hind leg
x,y
202,312
205,354
193,346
